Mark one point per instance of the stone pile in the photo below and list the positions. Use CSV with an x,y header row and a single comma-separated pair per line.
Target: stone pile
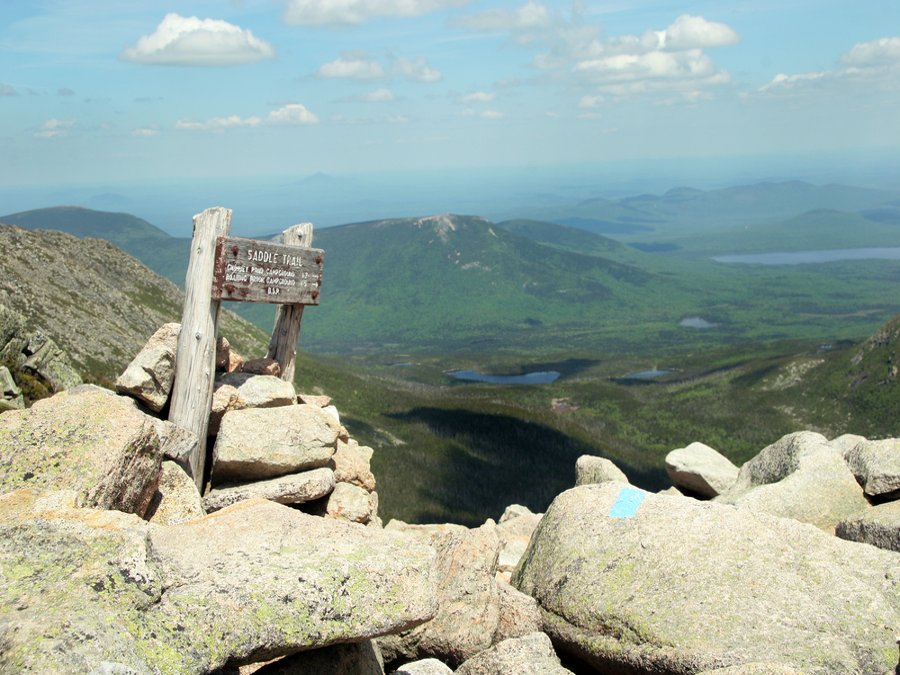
x,y
266,441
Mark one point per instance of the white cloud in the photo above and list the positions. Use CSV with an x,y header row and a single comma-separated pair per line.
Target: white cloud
x,y
53,128
352,12
690,64
590,102
881,52
292,113
785,82
145,132
190,41
377,96
695,32
671,60
530,16
479,97
492,115
352,67
867,66
219,124
417,69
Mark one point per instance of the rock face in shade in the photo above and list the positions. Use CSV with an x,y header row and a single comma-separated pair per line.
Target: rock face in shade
x,y
626,583
590,469
876,465
701,470
878,526
356,658
104,591
150,374
259,443
88,440
297,488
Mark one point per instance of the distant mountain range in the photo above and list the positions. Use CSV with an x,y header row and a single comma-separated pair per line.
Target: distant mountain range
x,y
458,281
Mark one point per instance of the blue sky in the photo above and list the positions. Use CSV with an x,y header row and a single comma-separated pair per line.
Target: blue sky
x,y
118,90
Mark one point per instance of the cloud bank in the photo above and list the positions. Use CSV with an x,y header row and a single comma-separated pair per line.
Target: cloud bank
x,y
354,12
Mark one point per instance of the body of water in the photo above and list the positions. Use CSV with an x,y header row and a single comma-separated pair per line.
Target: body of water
x,y
808,257
537,377
645,374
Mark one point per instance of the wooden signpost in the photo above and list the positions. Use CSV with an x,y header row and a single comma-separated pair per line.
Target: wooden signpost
x,y
248,270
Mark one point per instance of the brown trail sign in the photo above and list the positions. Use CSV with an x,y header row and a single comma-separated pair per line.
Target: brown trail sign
x,y
258,271
232,268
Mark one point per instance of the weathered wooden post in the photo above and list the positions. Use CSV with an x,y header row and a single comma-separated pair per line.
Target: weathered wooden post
x,y
232,268
283,344
195,360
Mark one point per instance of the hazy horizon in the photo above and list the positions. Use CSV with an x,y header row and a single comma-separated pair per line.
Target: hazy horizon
x,y
106,93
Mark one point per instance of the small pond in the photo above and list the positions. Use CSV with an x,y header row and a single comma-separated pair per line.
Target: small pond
x,y
807,257
537,377
645,374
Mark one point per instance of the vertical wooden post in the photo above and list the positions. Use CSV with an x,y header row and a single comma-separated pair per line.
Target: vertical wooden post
x,y
283,344
195,359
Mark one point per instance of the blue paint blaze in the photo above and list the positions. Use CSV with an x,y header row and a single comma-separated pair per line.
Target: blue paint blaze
x,y
627,503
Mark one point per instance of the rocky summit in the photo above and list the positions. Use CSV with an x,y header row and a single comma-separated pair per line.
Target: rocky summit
x,y
112,560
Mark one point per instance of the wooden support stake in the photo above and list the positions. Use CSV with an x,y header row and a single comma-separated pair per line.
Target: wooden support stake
x,y
283,344
195,359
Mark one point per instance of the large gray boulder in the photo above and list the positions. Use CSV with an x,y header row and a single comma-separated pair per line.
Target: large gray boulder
x,y
876,465
88,440
296,488
258,443
821,491
879,526
590,469
701,470
469,604
103,591
150,375
641,583
527,655
777,461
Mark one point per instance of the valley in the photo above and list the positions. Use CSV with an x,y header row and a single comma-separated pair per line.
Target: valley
x,y
747,352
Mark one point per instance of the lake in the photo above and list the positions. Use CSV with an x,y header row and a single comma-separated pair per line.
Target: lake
x,y
536,377
809,257
645,374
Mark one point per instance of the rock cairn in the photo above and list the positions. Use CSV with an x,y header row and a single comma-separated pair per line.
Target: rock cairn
x,y
267,442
